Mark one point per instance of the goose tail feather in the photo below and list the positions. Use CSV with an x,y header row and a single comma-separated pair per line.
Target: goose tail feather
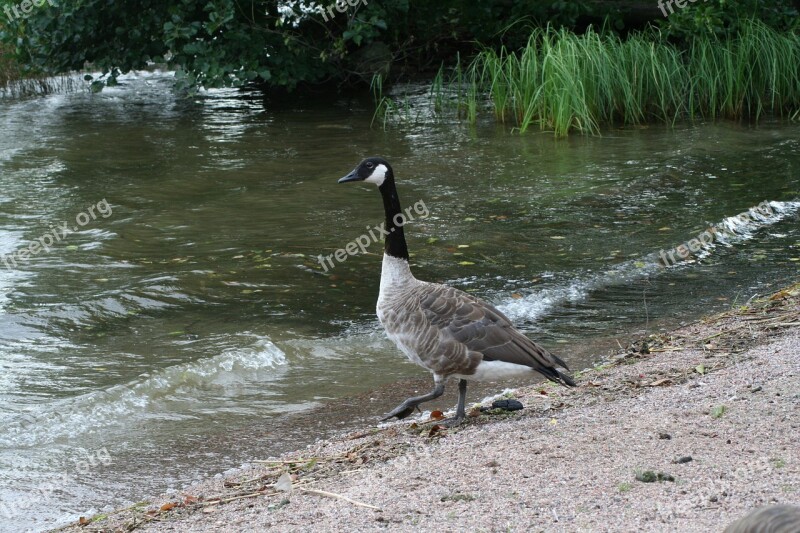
x,y
557,376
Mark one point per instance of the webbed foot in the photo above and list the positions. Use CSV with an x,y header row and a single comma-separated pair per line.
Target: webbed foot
x,y
401,411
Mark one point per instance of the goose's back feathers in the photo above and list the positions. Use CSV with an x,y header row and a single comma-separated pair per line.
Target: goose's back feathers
x,y
451,332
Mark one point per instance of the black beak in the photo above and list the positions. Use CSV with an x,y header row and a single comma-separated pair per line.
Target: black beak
x,y
353,176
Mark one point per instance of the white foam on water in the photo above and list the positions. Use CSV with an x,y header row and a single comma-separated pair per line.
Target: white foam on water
x,y
98,411
731,231
10,277
743,227
539,303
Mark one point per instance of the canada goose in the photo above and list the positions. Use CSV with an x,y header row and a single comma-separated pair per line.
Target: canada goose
x,y
442,329
772,519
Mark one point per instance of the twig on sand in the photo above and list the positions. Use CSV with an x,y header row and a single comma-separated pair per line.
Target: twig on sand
x,y
242,497
716,335
338,497
284,462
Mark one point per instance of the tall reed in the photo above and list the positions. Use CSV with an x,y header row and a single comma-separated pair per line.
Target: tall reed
x,y
566,82
563,82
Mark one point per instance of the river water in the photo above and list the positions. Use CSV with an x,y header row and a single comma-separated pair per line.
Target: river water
x,y
184,324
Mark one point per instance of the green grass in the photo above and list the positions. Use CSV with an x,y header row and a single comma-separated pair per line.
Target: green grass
x,y
564,82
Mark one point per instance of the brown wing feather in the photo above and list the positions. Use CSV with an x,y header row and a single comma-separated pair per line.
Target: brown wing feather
x,y
773,519
482,328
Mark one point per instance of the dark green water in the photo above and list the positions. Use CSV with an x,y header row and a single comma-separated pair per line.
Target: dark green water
x,y
193,329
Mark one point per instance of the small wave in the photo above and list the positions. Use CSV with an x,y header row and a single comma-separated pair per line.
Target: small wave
x,y
96,412
364,339
9,277
743,227
731,231
737,229
539,303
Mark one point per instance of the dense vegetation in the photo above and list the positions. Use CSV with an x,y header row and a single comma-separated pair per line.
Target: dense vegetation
x,y
306,42
561,81
278,43
9,69
708,58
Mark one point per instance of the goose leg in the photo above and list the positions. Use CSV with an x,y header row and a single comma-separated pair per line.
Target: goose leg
x,y
461,412
408,406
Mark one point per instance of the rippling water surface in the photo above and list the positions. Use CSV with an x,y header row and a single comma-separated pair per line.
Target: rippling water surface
x,y
193,328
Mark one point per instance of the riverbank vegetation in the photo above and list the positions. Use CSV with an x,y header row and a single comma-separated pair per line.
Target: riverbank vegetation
x,y
554,65
561,81
279,45
16,80
9,67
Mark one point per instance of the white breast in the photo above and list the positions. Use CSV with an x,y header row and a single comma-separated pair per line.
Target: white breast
x,y
395,276
396,282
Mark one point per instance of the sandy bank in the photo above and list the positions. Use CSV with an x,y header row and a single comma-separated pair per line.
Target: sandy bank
x,y
713,410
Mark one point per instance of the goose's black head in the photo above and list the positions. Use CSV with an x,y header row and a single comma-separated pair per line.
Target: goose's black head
x,y
375,170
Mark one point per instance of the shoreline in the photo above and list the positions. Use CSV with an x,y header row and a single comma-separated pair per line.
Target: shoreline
x,y
682,431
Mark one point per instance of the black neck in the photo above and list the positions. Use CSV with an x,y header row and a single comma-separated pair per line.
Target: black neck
x,y
395,243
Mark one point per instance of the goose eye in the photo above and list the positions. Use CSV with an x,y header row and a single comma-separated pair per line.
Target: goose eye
x,y
370,165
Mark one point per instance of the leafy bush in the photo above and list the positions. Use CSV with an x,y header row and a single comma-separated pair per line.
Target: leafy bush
x,y
289,43
723,18
278,43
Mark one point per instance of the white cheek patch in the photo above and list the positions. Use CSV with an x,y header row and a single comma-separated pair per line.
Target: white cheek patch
x,y
378,175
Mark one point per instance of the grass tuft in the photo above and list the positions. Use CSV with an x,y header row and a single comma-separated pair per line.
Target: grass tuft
x,y
564,82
